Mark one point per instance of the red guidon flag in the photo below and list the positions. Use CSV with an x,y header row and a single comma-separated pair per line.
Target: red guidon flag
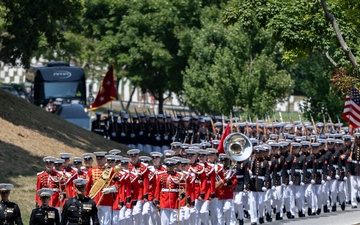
x,y
351,111
107,91
224,135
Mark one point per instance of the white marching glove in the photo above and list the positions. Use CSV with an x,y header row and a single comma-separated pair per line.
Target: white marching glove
x,y
108,190
322,182
263,189
337,177
273,187
345,178
312,181
328,178
302,183
291,183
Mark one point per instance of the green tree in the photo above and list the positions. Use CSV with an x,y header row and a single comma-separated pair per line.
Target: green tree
x,y
30,26
231,67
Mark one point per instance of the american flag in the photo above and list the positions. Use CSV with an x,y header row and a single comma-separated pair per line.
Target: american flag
x,y
351,112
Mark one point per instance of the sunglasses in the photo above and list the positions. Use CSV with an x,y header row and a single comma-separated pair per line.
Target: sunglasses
x,y
133,155
111,160
155,157
77,162
99,158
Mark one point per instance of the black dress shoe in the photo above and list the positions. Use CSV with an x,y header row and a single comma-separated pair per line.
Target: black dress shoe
x,y
358,199
309,211
261,220
268,217
253,223
301,214
318,211
343,206
246,214
354,206
289,216
278,217
348,202
241,222
333,208
326,210
313,214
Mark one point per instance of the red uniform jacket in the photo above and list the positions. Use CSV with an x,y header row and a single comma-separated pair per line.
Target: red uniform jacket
x,y
168,188
70,184
93,175
142,173
226,191
200,182
188,188
123,196
54,181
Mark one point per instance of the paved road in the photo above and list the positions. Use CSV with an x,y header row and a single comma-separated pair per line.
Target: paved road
x,y
348,217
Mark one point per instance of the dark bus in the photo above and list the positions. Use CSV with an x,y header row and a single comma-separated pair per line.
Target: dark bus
x,y
58,80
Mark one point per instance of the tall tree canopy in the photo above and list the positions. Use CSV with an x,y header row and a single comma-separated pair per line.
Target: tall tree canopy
x,y
231,67
27,27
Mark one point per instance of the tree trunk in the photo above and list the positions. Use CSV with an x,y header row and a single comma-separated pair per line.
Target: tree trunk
x,y
161,103
339,36
130,100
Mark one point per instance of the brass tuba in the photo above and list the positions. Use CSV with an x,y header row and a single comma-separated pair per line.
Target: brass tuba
x,y
237,146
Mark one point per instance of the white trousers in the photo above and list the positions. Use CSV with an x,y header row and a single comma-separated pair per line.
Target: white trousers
x,y
150,214
333,186
168,217
300,197
125,216
184,215
310,197
137,212
104,214
289,199
257,205
267,199
225,212
239,204
341,191
355,188
278,199
202,208
213,211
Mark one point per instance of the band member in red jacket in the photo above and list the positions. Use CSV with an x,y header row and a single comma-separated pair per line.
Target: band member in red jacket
x,y
169,192
49,178
226,192
80,173
142,177
104,198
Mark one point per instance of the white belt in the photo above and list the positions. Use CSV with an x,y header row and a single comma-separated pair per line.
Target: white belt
x,y
140,181
354,161
169,190
55,189
197,182
279,173
99,130
343,167
258,177
336,166
288,171
239,176
298,170
319,170
309,170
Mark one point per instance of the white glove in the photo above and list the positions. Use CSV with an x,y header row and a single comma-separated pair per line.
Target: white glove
x,y
337,177
291,183
328,178
345,178
108,190
312,181
273,187
263,189
302,183
322,182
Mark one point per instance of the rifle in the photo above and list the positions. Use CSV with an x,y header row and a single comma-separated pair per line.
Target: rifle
x,y
313,122
213,127
332,124
257,128
325,127
302,125
281,119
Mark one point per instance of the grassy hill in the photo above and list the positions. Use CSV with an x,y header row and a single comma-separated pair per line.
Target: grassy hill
x,y
28,133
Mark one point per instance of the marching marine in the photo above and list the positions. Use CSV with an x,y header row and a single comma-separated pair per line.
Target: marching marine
x,y
80,210
45,215
9,211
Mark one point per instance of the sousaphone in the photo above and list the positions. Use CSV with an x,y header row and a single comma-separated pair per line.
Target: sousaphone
x,y
237,146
